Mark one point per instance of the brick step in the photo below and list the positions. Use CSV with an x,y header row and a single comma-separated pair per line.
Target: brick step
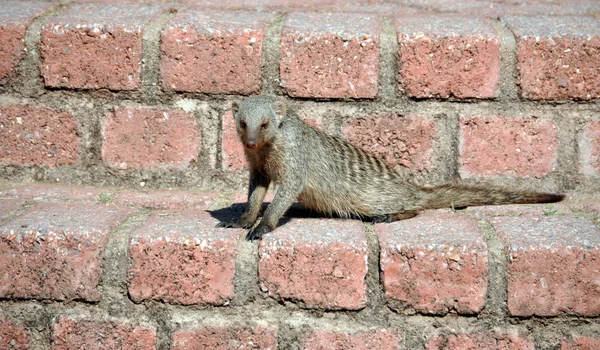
x,y
69,244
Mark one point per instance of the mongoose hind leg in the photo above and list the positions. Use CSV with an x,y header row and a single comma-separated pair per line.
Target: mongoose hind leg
x,y
387,218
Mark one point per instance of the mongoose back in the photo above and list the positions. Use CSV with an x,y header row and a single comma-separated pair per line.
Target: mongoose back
x,y
333,177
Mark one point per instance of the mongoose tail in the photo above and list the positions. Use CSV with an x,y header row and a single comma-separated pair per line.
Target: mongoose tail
x,y
460,196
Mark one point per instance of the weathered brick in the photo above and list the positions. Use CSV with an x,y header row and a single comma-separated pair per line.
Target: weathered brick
x,y
447,57
494,341
512,146
318,263
15,17
167,199
95,46
12,336
330,55
400,141
148,138
589,146
44,192
233,151
435,263
384,339
558,57
52,251
181,258
553,266
225,338
215,52
8,206
87,334
580,343
38,136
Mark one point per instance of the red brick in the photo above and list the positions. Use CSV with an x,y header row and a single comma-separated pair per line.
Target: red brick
x,y
511,146
580,343
12,336
400,141
384,339
53,251
521,210
553,265
225,338
167,199
448,57
558,57
95,46
44,192
233,151
86,334
148,138
590,148
38,136
181,258
214,52
330,55
15,17
320,263
495,341
435,263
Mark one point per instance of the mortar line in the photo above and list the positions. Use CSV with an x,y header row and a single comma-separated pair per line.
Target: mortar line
x,y
497,294
375,294
246,285
151,56
388,62
269,82
28,81
507,86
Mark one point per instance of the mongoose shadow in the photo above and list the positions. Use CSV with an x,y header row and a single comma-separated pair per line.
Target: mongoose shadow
x,y
334,178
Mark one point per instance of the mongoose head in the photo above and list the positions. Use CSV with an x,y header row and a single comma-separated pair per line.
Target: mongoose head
x,y
258,120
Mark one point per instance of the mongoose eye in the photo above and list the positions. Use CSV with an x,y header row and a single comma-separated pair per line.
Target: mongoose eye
x,y
243,124
264,126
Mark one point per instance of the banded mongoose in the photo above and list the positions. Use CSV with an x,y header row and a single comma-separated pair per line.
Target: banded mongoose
x,y
333,177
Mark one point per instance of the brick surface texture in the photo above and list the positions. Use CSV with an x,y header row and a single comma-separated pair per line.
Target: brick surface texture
x,y
319,263
42,192
400,141
183,259
52,251
494,341
330,55
387,339
38,136
12,336
580,343
95,46
553,265
558,57
233,151
511,146
434,264
214,52
167,199
70,334
15,17
148,138
590,148
221,338
447,57
8,206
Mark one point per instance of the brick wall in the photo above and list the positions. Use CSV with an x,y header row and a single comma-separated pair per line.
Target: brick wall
x,y
131,95
108,268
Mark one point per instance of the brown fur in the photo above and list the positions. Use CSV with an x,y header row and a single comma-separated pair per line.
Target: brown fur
x,y
329,175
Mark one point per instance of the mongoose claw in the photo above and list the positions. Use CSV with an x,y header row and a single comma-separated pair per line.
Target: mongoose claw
x,y
225,224
257,233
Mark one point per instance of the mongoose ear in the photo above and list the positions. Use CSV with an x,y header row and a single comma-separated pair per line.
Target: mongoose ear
x,y
235,107
279,108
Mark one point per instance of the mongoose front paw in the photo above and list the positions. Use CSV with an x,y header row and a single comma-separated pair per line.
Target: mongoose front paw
x,y
383,218
257,233
227,224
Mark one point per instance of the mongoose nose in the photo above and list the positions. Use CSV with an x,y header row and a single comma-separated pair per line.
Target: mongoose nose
x,y
251,145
